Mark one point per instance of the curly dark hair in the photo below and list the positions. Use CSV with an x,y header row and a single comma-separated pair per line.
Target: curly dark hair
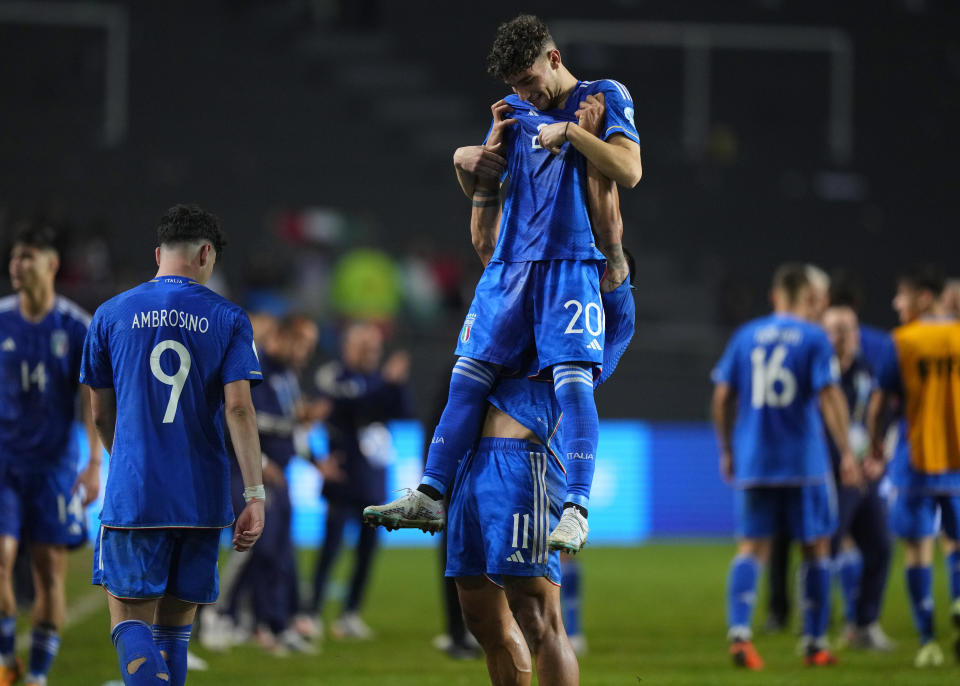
x,y
36,235
188,223
517,45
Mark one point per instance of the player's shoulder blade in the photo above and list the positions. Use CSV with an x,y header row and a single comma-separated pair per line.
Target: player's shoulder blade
x,y
609,86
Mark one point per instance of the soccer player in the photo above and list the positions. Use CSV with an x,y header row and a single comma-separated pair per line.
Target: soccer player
x,y
42,496
506,497
541,285
861,545
922,371
776,377
167,363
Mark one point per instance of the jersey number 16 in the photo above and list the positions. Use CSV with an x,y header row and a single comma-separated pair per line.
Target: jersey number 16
x,y
766,375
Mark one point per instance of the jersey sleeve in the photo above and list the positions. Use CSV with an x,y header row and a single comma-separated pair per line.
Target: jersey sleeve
x,y
725,371
240,361
619,110
95,368
888,369
824,366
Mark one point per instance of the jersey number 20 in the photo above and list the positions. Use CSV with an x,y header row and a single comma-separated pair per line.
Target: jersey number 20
x,y
177,380
766,375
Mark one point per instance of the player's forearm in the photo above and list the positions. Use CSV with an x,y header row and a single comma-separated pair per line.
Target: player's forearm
x,y
875,425
603,202
242,424
466,180
93,438
836,415
485,222
618,161
724,414
103,411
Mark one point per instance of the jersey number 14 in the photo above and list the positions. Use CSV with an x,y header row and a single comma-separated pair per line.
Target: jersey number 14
x,y
773,385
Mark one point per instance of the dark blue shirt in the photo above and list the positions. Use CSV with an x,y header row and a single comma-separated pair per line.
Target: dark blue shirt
x,y
857,383
362,404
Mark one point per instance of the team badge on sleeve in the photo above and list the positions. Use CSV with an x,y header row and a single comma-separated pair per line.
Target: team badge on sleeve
x,y
467,326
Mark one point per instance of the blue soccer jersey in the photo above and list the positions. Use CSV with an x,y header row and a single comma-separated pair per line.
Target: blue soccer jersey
x,y
777,365
545,212
39,367
168,347
534,404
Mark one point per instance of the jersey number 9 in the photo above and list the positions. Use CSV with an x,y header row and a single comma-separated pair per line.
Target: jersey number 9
x,y
177,380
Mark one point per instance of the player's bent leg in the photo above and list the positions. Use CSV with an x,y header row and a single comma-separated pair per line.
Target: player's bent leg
x,y
488,617
470,382
9,666
49,566
535,602
171,634
140,661
752,554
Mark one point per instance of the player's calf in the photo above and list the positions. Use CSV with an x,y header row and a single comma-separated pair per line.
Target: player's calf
x,y
141,663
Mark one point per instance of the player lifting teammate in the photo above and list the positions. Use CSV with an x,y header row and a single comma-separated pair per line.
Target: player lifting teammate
x,y
541,287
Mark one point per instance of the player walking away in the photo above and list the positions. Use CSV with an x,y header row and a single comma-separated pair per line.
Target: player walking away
x,y
164,361
541,285
861,547
776,377
923,373
42,496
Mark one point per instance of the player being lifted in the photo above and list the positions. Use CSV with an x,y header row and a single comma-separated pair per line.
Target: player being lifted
x,y
773,382
541,287
167,362
922,372
42,497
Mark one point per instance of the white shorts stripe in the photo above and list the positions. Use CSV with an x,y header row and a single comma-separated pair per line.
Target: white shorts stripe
x,y
544,508
536,519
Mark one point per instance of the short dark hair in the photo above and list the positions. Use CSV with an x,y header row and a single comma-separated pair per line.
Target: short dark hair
x,y
791,278
36,235
189,223
923,277
846,289
517,45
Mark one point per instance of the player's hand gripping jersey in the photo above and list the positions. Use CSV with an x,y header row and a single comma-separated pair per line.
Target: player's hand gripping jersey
x,y
923,367
777,365
39,368
545,214
168,347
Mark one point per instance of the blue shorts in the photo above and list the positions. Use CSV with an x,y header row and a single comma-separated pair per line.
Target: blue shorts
x,y
552,306
506,499
40,507
806,513
135,564
916,516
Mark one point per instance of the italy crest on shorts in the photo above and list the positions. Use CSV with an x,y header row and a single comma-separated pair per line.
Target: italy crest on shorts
x,y
59,343
467,326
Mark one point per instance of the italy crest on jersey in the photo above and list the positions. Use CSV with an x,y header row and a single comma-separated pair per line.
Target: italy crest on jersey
x,y
59,343
467,325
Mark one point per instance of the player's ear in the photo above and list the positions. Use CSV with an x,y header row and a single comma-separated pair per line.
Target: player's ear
x,y
157,255
554,58
205,254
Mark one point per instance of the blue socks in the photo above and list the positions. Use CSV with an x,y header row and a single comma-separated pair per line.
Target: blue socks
x,y
919,583
741,596
849,566
816,598
953,574
140,661
8,632
573,386
44,645
172,641
570,597
460,422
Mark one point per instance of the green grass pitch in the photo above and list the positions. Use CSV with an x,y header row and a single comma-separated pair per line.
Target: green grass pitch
x,y
653,615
